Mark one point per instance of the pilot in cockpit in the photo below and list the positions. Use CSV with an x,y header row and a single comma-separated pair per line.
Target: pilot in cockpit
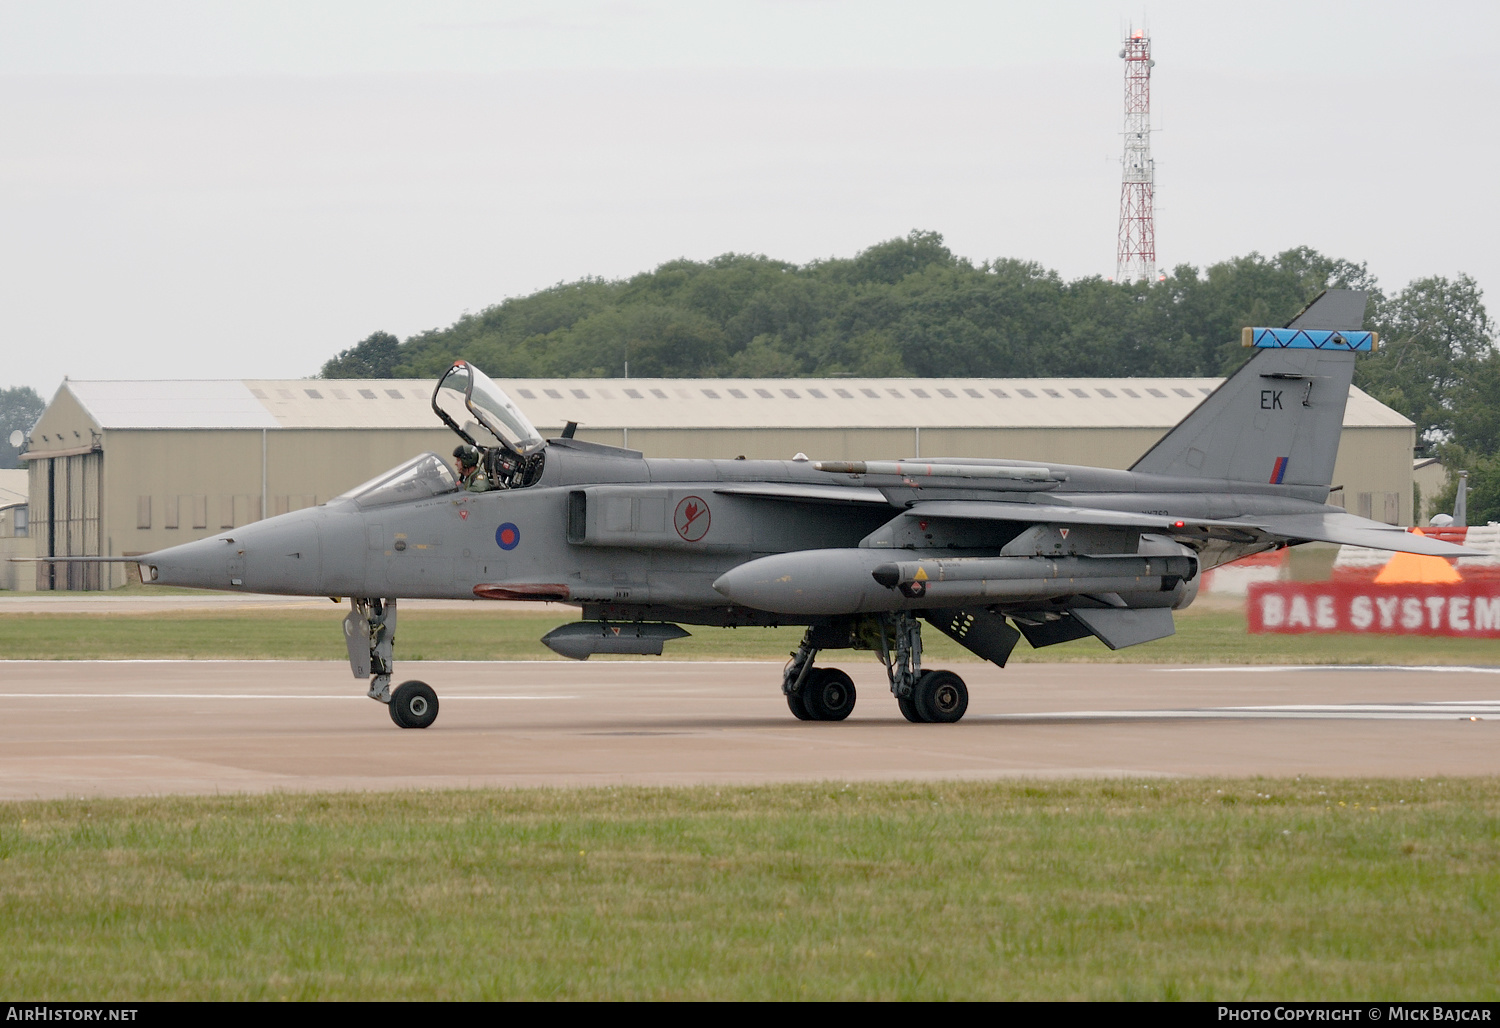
x,y
470,475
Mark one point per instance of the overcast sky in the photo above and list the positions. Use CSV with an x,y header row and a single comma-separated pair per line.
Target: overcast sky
x,y
240,189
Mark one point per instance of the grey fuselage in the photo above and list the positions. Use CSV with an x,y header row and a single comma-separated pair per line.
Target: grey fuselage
x,y
629,537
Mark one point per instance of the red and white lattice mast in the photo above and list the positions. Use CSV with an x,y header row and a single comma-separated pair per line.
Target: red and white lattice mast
x,y
1135,259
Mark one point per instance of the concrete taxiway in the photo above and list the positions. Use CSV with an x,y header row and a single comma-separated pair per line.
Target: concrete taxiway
x,y
127,728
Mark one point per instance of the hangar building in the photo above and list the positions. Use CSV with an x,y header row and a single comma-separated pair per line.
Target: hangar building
x,y
122,468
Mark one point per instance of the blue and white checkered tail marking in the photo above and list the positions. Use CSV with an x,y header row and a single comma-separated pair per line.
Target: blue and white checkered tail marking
x,y
1309,339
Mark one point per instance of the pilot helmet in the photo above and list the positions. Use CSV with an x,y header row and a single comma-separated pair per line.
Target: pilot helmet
x,y
467,455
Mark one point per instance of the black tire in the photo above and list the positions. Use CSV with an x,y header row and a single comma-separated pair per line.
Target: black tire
x,y
941,697
395,713
909,710
797,707
828,694
414,705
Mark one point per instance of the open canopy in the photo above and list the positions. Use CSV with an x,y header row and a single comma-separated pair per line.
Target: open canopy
x,y
479,411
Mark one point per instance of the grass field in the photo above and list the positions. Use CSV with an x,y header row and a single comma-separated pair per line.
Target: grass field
x,y
1096,890
1210,634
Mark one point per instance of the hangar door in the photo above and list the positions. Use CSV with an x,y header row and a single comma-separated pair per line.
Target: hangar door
x,y
68,523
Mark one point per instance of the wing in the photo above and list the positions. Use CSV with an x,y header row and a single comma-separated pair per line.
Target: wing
x,y
807,493
1328,527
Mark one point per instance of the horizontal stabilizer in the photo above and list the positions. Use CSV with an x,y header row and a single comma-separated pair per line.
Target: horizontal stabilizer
x,y
1118,627
1352,530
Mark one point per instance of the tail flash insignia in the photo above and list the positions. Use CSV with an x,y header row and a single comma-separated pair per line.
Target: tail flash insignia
x,y
1279,471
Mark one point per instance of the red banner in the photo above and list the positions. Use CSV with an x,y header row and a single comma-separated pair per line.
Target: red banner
x,y
1471,609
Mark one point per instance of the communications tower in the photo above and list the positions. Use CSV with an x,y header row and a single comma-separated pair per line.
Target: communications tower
x,y
1135,258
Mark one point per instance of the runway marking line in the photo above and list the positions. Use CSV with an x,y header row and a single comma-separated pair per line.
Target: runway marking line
x,y
234,696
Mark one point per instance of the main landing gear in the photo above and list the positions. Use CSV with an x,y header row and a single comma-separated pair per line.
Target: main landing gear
x,y
828,694
370,634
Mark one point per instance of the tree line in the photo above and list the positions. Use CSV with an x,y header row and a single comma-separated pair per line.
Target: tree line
x,y
911,307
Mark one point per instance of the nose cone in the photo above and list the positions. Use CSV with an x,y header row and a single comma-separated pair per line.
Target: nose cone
x,y
281,555
216,563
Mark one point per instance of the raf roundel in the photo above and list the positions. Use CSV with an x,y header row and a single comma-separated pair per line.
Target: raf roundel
x,y
508,536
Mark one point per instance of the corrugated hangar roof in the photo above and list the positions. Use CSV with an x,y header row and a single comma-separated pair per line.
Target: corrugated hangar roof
x,y
681,403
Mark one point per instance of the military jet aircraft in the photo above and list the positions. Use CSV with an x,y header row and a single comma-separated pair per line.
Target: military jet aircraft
x,y
860,553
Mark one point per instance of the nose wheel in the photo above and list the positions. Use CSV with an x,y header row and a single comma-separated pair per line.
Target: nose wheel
x,y
414,705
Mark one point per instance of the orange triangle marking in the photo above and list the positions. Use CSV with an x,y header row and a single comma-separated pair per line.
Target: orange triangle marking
x,y
1415,568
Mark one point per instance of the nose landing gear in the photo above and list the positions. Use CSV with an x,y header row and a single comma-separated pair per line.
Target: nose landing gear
x,y
414,705
370,633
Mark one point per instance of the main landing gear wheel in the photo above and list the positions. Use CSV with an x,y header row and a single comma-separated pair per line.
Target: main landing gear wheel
x,y
828,694
940,696
414,705
909,709
797,707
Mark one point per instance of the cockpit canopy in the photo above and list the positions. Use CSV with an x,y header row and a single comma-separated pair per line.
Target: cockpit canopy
x,y
479,411
422,476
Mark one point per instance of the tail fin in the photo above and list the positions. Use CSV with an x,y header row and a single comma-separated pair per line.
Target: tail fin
x,y
1278,418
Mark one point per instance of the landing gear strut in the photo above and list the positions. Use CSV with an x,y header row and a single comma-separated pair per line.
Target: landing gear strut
x,y
370,634
922,696
816,693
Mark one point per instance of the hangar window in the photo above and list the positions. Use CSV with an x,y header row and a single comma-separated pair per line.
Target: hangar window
x,y
1131,393
896,393
553,393
259,394
313,394
579,394
660,395
949,393
816,394
1027,393
527,393
1001,394
844,394
738,394
1156,393
1106,394
634,394
975,393
339,394
1079,393
872,394
1183,392
285,394
1053,393
920,393
394,394
710,394
764,394
605,394
368,394
791,394
1205,390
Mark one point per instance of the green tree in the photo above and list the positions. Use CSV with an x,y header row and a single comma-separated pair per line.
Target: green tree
x,y
376,356
1436,354
20,409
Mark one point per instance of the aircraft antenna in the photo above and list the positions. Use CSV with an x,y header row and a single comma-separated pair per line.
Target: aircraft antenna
x,y
1135,259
